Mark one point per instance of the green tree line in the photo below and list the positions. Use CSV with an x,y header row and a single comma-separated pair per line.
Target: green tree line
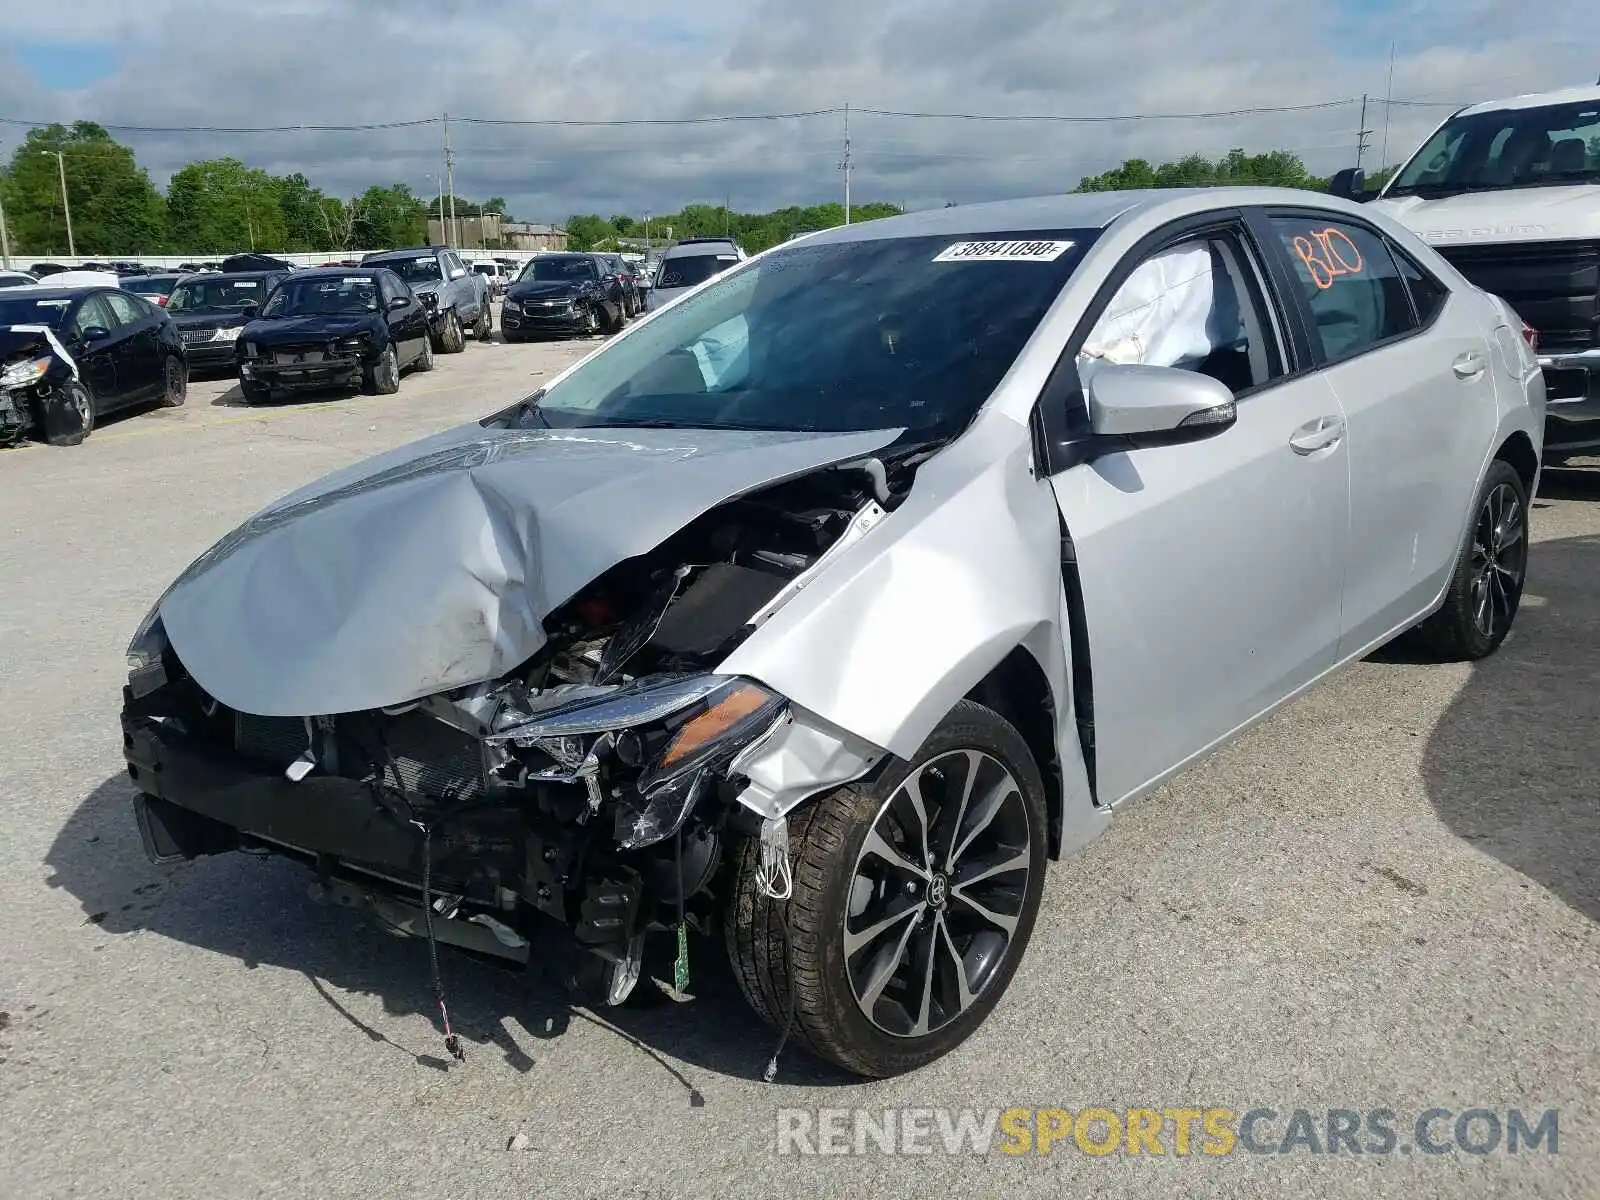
x,y
217,206
221,205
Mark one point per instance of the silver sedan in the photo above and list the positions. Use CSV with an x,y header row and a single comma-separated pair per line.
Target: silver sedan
x,y
821,609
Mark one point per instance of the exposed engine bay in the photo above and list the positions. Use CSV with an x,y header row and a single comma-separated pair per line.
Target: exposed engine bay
x,y
596,786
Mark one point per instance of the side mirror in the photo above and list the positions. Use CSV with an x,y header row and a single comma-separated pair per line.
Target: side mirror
x,y
1348,184
430,301
398,302
1156,405
95,333
456,273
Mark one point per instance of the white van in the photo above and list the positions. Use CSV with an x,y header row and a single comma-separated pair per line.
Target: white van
x,y
1509,192
495,273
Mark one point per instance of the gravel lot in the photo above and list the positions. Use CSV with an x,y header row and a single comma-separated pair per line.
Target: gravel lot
x,y
1386,897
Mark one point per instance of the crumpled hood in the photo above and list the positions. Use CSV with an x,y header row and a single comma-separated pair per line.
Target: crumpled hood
x,y
15,342
433,566
555,289
283,330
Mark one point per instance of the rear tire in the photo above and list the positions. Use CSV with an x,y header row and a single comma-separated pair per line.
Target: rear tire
x,y
862,923
174,382
425,360
1491,568
485,326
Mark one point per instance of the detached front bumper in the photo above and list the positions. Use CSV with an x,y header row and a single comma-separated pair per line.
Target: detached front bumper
x,y
333,371
1572,404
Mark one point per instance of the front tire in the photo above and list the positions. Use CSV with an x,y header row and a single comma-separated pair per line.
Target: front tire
x,y
71,417
485,326
452,340
1486,588
913,900
254,393
383,377
174,382
425,360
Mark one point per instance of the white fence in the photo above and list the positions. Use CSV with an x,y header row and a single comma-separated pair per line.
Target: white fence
x,y
312,259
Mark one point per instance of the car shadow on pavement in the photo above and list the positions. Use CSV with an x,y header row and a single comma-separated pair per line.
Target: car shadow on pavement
x,y
1512,765
259,911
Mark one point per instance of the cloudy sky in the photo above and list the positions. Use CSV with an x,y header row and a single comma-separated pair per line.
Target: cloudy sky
x,y
180,63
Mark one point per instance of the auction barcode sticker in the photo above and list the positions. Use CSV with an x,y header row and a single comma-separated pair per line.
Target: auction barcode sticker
x,y
1003,252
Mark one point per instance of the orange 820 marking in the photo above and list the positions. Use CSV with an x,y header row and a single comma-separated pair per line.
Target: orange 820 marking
x,y
1327,254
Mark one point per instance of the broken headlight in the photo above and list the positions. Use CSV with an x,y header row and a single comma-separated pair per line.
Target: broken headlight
x,y
671,730
147,671
24,373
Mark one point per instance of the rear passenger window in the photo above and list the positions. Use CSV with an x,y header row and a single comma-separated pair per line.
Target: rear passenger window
x,y
1427,293
1350,281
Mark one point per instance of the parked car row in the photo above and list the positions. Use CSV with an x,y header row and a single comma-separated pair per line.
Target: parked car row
x,y
81,343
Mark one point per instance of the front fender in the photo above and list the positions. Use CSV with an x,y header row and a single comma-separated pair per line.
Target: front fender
x,y
909,619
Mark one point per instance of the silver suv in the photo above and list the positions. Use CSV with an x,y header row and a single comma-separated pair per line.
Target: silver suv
x,y
688,264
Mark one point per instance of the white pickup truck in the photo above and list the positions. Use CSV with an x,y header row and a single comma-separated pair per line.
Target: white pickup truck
x,y
1509,192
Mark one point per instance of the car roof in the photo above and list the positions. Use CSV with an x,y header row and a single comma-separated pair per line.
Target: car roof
x,y
364,272
405,252
46,292
1074,210
1573,95
699,247
229,275
161,275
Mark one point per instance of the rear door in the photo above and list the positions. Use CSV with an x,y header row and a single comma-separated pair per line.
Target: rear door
x,y
1209,572
1412,365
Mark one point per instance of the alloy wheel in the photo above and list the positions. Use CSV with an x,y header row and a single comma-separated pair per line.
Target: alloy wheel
x,y
1499,560
937,891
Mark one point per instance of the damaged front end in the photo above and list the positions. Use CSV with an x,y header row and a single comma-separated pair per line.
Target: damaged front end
x,y
596,789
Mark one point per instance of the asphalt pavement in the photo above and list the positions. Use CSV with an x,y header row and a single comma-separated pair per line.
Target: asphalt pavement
x,y
1383,898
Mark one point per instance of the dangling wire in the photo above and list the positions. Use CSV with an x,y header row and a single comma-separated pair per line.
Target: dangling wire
x,y
451,1042
771,1072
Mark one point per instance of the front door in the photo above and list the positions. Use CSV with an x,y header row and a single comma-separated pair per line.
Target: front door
x,y
1210,572
96,349
139,332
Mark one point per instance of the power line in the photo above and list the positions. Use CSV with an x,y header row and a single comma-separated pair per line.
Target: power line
x,y
363,128
1069,119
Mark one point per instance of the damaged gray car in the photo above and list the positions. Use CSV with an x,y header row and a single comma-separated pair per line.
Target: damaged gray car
x,y
819,610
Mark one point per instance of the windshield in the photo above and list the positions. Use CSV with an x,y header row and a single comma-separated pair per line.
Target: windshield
x,y
423,269
150,285
485,268
907,333
27,310
556,270
689,269
330,295
219,292
1510,148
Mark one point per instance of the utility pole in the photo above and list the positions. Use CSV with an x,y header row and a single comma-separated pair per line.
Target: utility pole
x,y
845,164
1362,133
249,218
66,206
727,214
5,238
1388,96
450,172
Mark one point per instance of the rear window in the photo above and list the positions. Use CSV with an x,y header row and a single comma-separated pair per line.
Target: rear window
x,y
690,269
218,291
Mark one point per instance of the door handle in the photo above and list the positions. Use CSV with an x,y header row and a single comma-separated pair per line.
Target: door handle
x,y
1468,365
1317,435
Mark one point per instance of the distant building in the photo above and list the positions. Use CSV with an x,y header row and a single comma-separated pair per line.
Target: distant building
x,y
493,232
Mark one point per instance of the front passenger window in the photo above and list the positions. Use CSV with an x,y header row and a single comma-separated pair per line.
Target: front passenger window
x,y
93,314
1349,281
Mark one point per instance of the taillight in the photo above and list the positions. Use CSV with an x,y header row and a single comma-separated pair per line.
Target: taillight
x,y
1530,335
161,300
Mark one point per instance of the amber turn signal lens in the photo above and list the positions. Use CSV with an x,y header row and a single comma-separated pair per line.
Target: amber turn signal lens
x,y
732,707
